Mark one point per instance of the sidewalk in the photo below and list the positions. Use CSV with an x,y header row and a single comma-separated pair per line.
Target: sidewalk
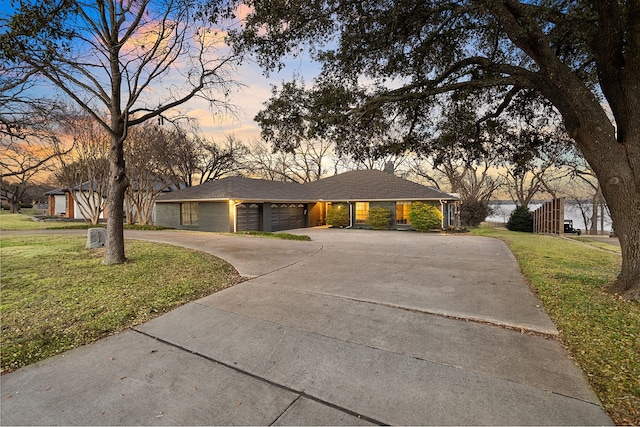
x,y
352,328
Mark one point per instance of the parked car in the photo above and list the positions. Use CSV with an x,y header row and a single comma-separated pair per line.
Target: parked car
x,y
568,227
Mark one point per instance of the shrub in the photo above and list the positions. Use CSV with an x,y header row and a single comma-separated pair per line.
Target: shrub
x,y
338,215
424,217
379,218
521,219
473,212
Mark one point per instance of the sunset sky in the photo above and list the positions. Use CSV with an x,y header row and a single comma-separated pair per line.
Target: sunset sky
x,y
246,100
249,99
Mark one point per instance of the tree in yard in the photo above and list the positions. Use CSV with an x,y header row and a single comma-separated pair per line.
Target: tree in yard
x,y
29,134
540,155
521,219
473,212
186,158
219,160
464,152
196,159
112,56
24,166
308,125
24,156
150,155
581,57
304,163
84,170
267,164
28,120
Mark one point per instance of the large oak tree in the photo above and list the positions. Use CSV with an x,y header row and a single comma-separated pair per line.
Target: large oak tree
x,y
583,57
133,59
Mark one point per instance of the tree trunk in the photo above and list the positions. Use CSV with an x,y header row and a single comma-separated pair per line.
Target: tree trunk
x,y
616,163
118,184
616,166
626,221
618,185
118,181
618,182
16,197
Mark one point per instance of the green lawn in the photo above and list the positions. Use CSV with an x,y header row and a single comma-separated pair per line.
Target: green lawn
x,y
601,331
269,235
25,221
57,295
9,221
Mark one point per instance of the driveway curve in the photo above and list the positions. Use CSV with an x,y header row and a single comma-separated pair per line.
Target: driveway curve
x,y
354,327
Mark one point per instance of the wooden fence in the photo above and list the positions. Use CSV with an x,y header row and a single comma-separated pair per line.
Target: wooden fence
x,y
549,218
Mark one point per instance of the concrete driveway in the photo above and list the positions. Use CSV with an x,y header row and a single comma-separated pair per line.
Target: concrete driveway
x,y
354,327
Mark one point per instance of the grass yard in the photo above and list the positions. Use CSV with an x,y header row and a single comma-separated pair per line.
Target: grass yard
x,y
269,235
57,295
601,331
24,221
9,221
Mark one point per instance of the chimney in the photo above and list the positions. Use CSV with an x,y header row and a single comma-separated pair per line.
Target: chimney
x,y
389,168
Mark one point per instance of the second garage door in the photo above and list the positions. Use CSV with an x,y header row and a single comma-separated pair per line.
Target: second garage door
x,y
286,216
247,217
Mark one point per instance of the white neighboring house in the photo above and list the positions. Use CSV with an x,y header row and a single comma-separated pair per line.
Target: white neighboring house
x,y
58,202
69,203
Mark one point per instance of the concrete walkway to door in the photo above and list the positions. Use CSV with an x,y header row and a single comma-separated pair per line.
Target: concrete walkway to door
x,y
354,327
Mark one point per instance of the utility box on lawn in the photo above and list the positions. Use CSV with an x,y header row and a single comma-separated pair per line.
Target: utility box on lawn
x,y
96,238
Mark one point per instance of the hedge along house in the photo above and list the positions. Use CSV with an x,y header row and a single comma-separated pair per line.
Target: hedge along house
x,y
242,204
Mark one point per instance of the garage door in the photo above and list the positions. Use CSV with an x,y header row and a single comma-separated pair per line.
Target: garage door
x,y
247,217
286,216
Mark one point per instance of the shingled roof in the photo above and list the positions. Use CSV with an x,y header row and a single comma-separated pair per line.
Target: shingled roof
x,y
367,185
240,188
362,185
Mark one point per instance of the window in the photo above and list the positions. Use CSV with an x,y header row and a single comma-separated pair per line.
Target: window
x,y
362,212
189,213
402,212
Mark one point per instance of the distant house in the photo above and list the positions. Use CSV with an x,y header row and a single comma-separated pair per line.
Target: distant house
x,y
64,202
67,202
242,204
